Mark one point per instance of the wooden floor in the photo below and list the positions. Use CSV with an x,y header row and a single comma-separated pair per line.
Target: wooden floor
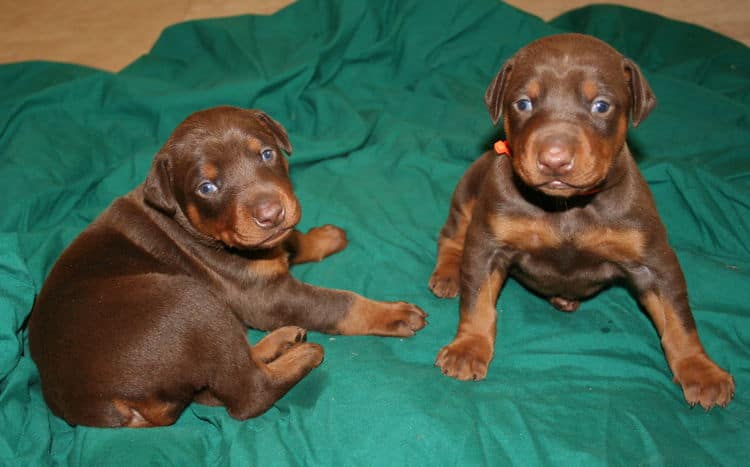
x,y
111,34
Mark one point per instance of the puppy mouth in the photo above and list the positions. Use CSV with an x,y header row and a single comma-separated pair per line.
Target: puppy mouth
x,y
276,237
558,187
240,241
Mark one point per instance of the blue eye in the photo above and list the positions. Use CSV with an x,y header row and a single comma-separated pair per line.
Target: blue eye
x,y
523,105
207,188
600,106
266,155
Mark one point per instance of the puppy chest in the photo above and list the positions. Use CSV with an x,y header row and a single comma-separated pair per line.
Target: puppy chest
x,y
563,271
544,255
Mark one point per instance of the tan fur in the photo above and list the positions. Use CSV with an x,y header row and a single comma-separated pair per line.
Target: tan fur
x,y
590,89
367,316
525,233
209,171
534,89
529,234
616,245
269,264
468,356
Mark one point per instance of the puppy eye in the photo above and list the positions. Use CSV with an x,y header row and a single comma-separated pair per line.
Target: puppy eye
x,y
266,155
600,106
207,188
523,105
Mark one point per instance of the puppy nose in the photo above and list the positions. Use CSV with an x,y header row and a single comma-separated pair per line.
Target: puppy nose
x,y
268,213
555,156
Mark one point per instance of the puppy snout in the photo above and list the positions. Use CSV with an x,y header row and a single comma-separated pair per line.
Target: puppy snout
x,y
268,213
555,155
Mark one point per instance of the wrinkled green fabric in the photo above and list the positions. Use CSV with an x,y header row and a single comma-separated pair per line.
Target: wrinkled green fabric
x,y
383,104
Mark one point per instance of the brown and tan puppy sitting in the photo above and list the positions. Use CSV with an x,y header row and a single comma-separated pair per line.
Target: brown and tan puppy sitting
x,y
147,309
564,209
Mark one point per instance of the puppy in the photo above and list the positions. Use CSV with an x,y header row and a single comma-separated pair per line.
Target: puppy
x,y
147,310
562,207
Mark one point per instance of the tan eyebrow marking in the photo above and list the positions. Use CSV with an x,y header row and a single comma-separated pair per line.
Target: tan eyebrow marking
x,y
590,89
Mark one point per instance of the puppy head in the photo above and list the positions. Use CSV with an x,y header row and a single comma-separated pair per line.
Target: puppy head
x,y
566,101
223,172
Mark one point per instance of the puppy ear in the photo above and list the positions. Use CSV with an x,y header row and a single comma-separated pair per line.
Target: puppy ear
x,y
157,188
493,97
642,99
275,128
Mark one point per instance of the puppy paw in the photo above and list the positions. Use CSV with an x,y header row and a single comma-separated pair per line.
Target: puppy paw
x,y
277,342
563,304
295,364
466,358
395,319
327,239
309,354
401,319
703,382
445,283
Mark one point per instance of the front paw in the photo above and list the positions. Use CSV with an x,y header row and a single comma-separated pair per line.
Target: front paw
x,y
400,319
445,282
466,358
703,382
328,239
396,319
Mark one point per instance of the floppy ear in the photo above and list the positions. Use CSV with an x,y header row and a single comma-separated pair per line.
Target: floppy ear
x,y
642,99
493,97
275,128
157,188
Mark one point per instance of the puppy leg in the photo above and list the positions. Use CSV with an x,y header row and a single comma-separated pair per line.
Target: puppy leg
x,y
316,244
249,387
703,381
446,277
246,385
468,356
341,312
279,377
147,413
445,280
292,302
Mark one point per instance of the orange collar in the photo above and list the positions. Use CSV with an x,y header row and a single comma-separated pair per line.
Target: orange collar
x,y
501,147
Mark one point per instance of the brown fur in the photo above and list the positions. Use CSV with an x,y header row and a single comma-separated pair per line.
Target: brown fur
x,y
568,212
147,310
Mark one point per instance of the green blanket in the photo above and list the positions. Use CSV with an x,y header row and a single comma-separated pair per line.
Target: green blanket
x,y
383,103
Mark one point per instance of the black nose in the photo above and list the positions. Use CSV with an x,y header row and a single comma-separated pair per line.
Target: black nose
x,y
555,155
268,213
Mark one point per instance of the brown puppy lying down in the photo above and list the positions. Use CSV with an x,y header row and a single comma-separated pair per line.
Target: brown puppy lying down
x,y
565,210
147,309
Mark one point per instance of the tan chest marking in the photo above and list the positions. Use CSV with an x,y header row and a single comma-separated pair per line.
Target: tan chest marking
x,y
272,263
526,234
618,245
529,234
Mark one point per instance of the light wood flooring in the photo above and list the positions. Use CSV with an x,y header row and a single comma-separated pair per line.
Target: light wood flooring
x,y
111,34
